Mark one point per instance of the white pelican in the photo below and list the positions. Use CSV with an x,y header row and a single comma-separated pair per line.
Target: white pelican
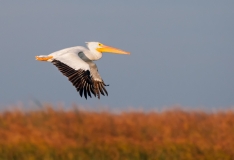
x,y
76,63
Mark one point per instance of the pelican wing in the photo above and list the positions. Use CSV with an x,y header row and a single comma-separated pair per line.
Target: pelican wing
x,y
80,78
98,83
69,56
83,75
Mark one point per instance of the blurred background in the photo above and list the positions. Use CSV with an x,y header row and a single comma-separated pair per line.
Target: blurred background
x,y
181,52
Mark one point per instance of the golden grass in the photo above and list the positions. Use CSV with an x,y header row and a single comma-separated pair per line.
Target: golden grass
x,y
168,135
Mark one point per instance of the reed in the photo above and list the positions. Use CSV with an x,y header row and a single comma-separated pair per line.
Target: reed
x,y
52,134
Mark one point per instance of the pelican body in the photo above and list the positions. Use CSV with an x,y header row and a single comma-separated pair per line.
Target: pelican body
x,y
76,63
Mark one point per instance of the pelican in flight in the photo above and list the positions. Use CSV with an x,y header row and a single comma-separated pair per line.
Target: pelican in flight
x,y
76,63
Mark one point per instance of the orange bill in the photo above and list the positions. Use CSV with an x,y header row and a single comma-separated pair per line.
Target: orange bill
x,y
104,48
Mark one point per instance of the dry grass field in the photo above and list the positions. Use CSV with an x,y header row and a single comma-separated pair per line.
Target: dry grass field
x,y
52,134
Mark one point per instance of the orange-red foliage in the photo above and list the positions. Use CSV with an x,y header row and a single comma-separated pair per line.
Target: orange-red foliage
x,y
172,134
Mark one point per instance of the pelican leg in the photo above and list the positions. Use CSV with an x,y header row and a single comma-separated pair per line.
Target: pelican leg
x,y
44,58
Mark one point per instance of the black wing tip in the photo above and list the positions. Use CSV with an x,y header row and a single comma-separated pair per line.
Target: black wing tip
x,y
82,81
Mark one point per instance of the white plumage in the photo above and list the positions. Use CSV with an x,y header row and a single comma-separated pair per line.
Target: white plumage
x,y
76,63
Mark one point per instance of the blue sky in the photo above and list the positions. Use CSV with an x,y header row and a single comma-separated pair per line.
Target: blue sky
x,y
181,52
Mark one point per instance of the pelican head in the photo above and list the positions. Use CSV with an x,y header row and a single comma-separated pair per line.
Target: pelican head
x,y
97,46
